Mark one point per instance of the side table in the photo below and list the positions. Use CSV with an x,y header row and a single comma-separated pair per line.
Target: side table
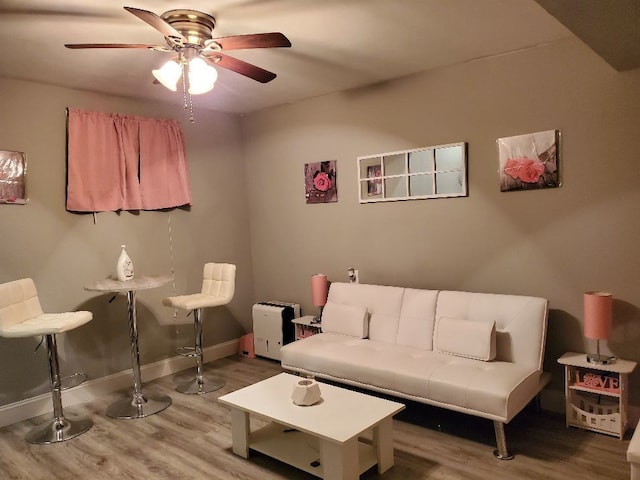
x,y
596,396
139,405
305,327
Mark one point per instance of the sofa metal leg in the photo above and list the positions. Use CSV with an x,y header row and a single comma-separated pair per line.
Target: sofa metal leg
x,y
501,452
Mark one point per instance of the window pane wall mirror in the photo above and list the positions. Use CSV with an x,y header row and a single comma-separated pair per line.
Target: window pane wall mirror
x,y
420,173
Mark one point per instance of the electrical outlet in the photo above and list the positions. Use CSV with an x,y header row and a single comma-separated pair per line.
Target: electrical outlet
x,y
352,273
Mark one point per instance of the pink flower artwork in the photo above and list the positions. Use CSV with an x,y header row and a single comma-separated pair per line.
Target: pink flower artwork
x,y
13,166
526,169
529,162
320,182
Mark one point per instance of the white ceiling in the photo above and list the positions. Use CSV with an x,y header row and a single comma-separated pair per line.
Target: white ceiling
x,y
336,44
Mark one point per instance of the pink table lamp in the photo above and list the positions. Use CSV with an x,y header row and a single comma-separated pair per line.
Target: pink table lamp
x,y
598,312
319,292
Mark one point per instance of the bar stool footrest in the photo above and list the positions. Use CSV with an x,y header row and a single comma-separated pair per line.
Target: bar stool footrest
x,y
73,380
186,351
206,385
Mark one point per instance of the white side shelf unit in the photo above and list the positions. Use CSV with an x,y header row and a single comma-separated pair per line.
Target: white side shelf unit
x,y
596,396
305,327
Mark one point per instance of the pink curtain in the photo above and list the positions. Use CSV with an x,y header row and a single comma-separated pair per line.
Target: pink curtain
x,y
117,162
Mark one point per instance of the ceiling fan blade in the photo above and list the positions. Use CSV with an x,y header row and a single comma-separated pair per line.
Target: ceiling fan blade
x,y
256,40
156,22
243,68
115,45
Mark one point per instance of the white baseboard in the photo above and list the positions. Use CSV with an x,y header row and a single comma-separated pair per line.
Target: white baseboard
x,y
93,389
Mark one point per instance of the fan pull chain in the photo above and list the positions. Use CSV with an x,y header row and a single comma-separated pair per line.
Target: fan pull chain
x,y
173,274
191,119
188,105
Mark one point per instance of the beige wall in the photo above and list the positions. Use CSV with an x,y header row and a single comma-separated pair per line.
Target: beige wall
x,y
555,243
62,251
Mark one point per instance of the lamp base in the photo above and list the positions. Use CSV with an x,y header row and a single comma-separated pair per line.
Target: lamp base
x,y
598,359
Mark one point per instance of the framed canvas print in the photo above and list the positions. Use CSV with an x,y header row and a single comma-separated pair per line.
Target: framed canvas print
x,y
530,161
13,170
320,182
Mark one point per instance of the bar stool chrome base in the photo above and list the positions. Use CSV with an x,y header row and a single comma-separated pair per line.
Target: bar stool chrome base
x,y
58,430
205,385
139,406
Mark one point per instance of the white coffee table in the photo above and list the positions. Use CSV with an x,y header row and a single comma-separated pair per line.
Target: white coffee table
x,y
321,439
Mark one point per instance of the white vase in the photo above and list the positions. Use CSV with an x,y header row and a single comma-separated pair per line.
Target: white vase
x,y
124,267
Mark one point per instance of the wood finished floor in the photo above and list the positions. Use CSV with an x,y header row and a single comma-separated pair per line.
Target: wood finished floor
x,y
192,440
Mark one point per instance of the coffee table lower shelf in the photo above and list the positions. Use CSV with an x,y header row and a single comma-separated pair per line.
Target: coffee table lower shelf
x,y
300,449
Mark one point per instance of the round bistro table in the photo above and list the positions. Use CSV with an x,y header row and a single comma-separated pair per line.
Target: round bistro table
x,y
138,405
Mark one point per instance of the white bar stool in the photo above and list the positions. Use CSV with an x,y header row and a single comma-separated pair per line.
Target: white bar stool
x,y
218,288
21,316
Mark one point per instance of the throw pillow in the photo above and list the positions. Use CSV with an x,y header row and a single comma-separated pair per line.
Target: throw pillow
x,y
466,338
345,319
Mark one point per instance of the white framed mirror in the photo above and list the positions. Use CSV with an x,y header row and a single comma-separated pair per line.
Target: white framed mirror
x,y
420,173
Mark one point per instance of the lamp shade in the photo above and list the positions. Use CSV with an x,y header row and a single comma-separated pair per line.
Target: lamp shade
x,y
169,74
202,77
319,289
598,308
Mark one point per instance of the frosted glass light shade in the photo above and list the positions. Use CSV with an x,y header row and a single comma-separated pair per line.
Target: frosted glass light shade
x,y
169,74
202,77
598,308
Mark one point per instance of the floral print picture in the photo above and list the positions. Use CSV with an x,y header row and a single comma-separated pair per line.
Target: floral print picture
x,y
529,162
13,168
320,182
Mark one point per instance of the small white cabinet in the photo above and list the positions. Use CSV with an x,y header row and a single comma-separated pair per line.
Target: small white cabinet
x,y
596,396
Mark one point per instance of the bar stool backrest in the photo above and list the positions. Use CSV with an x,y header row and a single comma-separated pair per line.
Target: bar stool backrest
x,y
218,280
18,302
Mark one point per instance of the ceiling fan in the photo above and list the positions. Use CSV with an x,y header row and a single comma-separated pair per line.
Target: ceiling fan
x,y
188,34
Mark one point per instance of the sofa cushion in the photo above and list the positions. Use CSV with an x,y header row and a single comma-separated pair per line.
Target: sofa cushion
x,y
417,318
465,338
345,319
521,322
382,302
494,390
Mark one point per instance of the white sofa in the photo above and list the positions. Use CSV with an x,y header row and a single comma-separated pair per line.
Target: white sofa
x,y
475,353
633,454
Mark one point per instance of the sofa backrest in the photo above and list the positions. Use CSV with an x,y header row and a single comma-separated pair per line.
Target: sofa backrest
x,y
407,316
383,305
521,322
417,318
396,315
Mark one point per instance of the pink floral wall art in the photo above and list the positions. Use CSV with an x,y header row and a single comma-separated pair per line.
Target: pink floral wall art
x,y
530,161
320,182
13,168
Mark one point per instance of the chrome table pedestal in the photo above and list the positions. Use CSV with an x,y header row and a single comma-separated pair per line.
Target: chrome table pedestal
x,y
138,405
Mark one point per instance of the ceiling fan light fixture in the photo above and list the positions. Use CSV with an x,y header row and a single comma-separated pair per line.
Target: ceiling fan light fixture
x,y
202,77
169,74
